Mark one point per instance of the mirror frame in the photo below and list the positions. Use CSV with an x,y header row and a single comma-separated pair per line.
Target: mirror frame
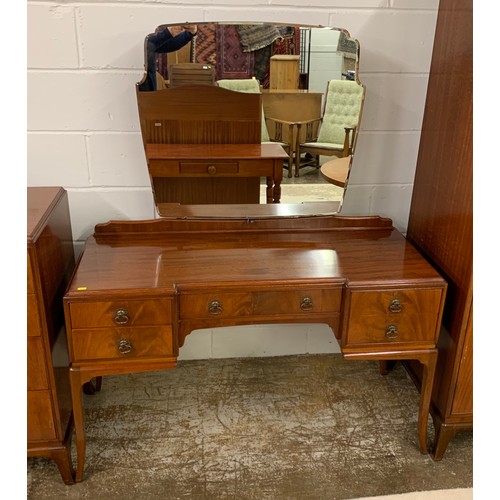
x,y
259,210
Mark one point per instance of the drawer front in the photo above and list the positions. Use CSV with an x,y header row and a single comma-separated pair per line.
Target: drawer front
x,y
41,426
260,303
121,343
33,322
37,370
254,168
123,313
163,168
208,168
393,316
175,168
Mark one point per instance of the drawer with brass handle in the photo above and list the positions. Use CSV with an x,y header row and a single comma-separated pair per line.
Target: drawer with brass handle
x,y
260,303
211,168
121,313
119,343
406,317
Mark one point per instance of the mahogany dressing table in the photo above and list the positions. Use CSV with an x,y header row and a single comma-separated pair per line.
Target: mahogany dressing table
x,y
142,286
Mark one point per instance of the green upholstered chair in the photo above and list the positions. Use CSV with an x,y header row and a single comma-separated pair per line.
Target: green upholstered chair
x,y
336,132
252,85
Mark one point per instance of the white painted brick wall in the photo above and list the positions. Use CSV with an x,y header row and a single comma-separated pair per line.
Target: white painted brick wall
x,y
85,57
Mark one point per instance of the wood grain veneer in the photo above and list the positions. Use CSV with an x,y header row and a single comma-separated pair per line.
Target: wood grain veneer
x,y
50,263
196,174
440,222
206,119
340,271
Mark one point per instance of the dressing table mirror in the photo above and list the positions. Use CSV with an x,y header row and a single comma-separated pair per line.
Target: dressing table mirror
x,y
226,110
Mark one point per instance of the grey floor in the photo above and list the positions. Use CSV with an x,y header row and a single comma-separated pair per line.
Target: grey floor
x,y
310,186
292,427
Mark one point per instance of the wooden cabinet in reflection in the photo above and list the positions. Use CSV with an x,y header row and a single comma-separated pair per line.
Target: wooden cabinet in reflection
x,y
284,72
203,146
50,263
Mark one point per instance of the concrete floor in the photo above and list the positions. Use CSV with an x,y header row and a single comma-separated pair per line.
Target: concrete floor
x,y
295,427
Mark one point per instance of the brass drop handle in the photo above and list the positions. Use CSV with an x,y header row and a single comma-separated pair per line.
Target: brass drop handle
x,y
121,316
306,304
212,169
391,332
215,307
395,306
124,346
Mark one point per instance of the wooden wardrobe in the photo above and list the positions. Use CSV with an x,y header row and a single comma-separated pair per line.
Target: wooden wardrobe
x,y
440,222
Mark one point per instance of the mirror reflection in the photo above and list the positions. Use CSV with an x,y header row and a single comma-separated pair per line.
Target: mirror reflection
x,y
238,113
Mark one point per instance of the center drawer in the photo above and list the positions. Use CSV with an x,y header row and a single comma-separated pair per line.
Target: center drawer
x,y
259,303
211,168
188,167
121,313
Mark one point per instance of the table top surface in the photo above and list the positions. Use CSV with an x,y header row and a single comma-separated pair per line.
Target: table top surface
x,y
159,263
40,200
209,152
336,171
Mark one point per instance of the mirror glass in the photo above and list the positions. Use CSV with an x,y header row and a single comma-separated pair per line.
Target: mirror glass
x,y
194,69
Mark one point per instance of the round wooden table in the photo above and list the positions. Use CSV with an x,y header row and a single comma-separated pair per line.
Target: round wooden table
x,y
336,171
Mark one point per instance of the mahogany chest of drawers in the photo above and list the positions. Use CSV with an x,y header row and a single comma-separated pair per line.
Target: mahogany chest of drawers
x,y
50,264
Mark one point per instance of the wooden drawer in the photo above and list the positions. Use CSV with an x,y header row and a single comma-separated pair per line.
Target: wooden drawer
x,y
121,342
392,316
37,369
260,303
208,168
253,168
123,313
185,168
41,426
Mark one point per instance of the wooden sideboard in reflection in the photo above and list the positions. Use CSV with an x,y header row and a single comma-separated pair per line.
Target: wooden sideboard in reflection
x,y
195,174
203,146
50,263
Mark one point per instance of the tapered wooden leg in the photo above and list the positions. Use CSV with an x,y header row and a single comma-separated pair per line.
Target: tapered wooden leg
x,y
62,458
429,363
98,384
428,358
442,438
444,433
386,366
92,386
76,384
